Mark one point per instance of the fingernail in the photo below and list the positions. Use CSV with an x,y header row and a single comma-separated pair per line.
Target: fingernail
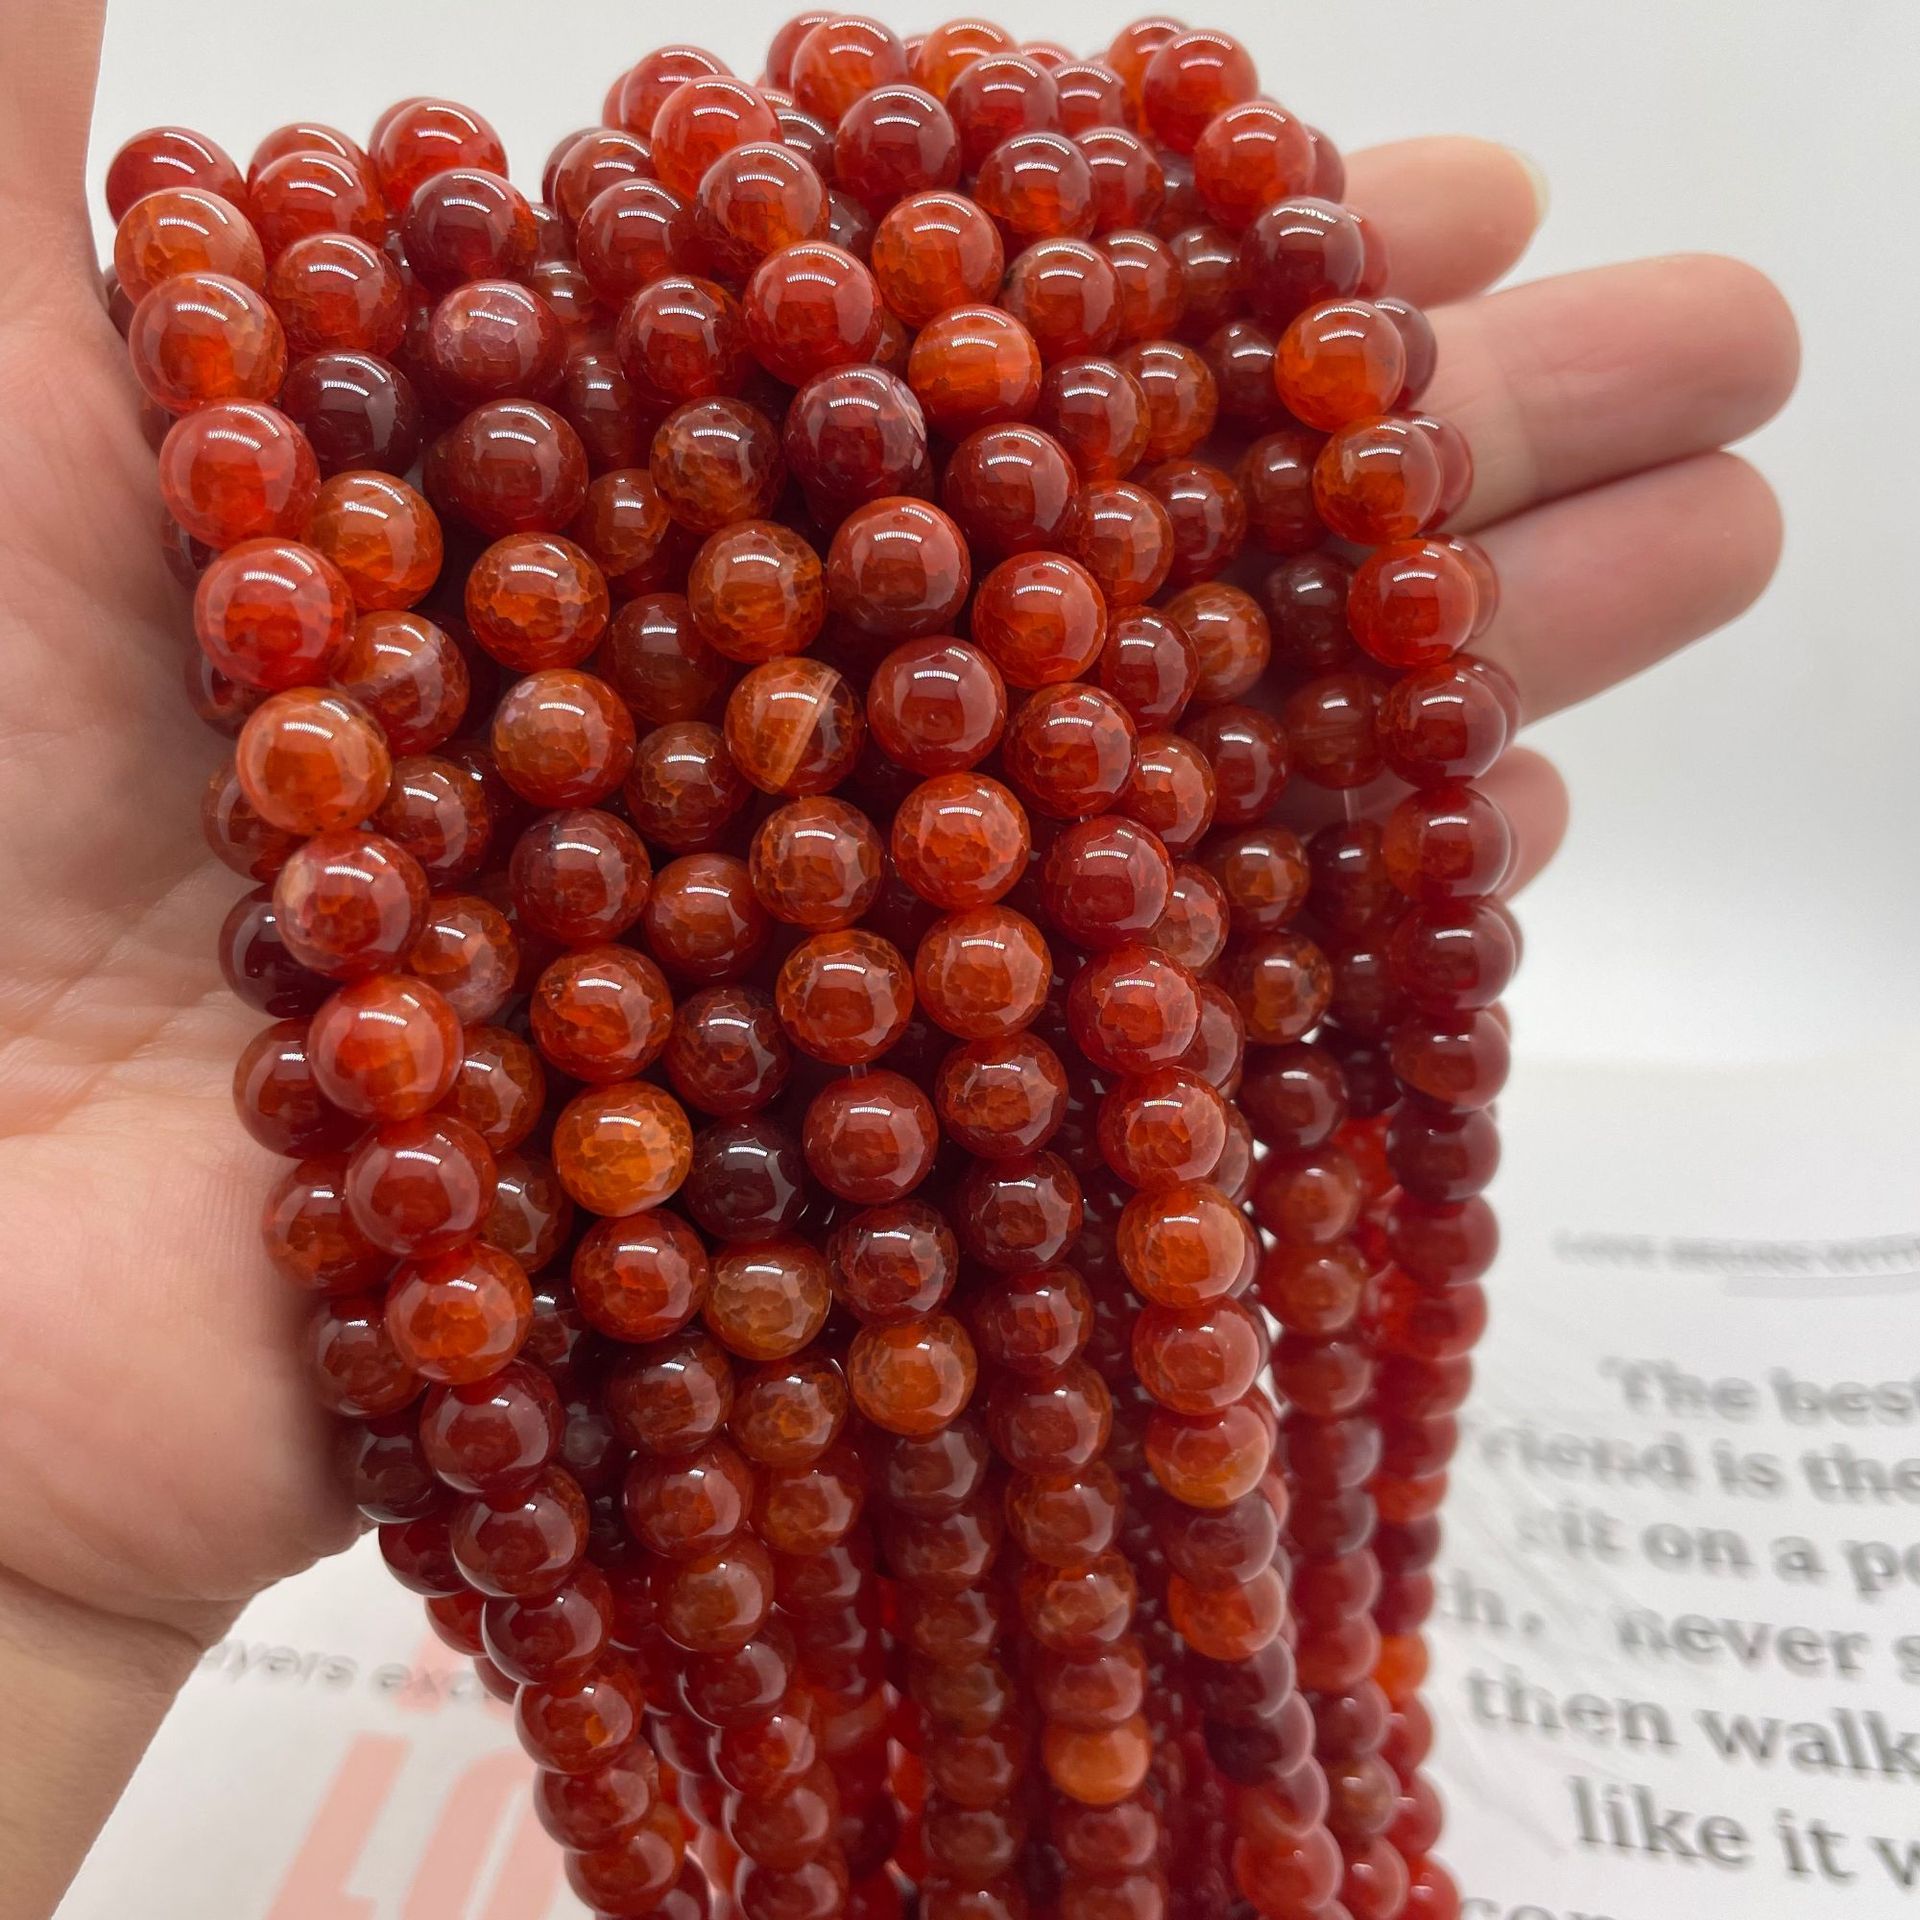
x,y
1542,197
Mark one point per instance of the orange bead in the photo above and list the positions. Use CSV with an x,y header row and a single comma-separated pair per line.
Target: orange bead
x,y
768,1299
1340,361
794,727
982,973
960,840
1098,1767
382,536
535,600
385,1047
460,1316
1040,618
199,338
974,366
934,251
912,1377
844,997
308,759
622,1149
183,229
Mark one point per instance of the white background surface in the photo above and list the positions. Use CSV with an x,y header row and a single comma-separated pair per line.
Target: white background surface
x,y
1741,882
1739,888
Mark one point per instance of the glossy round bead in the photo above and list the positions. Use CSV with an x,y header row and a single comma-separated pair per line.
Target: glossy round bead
x,y
1129,182
338,294
601,1013
442,812
466,951
1036,186
1379,480
422,137
199,338
408,674
1070,750
272,614
1249,157
1133,1009
622,1149
793,727
703,118
500,1088
459,1316
1275,477
1003,1097
686,1506
727,1053
1282,985
1010,489
631,234
1148,665
1341,361
787,1414
636,97
894,141
312,1238
1231,639
811,308
898,567
871,1139
535,600
1155,286
702,920
1170,790
1018,1215
844,997
1442,722
1182,400
1412,603
169,157
1193,930
357,1371
465,223
642,1277
308,760
1106,882
934,251
585,165
855,434
422,1186
381,535
237,471
716,462
946,52
817,863
1124,537
844,57
1330,729
1098,413
349,902
758,199
982,973
997,97
580,876
768,1299
514,466
973,367
893,1262
1263,874
1184,1244
1041,619
1240,353
1194,77
912,1377
1198,1361
562,738
1299,253
1162,1128
960,840
1208,516
1099,1767
492,339
681,338
656,660
307,192
936,705
356,409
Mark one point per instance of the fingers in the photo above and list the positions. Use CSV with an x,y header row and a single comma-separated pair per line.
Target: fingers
x,y
1599,587
1455,213
49,56
1530,792
1579,380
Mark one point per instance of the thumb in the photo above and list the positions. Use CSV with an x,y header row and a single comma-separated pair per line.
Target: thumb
x,y
49,59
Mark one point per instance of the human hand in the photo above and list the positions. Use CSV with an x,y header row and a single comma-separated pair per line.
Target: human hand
x,y
160,1456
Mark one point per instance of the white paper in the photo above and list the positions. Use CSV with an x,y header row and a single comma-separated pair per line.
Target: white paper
x,y
334,1762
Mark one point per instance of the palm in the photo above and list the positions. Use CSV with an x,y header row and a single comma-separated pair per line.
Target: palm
x,y
158,1450
159,1454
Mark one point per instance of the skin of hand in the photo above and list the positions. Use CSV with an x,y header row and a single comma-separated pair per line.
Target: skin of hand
x,y
161,1459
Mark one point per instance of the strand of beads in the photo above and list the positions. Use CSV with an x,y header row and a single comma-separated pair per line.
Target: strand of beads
x,y
758,756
